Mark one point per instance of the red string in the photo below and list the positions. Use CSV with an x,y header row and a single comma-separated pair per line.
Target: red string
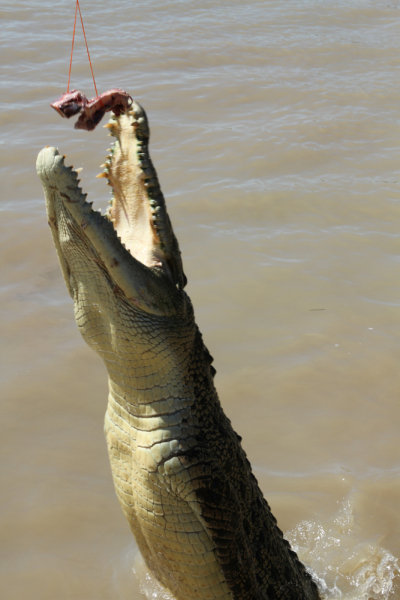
x,y
87,47
72,49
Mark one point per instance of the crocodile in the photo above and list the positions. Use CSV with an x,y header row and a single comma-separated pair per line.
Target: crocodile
x,y
181,476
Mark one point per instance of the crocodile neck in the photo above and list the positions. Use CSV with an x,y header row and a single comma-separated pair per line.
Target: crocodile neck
x,y
180,473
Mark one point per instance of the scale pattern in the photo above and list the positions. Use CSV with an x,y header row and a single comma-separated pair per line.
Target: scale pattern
x,y
180,473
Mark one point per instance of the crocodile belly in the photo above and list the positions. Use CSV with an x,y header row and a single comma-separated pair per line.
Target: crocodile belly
x,y
170,537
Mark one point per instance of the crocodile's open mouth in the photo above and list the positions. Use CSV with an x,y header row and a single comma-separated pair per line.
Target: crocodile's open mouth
x,y
134,241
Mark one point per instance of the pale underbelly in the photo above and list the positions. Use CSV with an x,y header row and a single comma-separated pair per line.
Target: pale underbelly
x,y
171,538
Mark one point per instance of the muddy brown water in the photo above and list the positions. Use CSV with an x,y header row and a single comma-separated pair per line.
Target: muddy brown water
x,y
276,136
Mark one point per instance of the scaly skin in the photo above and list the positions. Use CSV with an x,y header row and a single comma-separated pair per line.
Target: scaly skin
x,y
180,473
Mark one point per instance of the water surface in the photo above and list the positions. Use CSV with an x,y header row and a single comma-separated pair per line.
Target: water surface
x,y
275,133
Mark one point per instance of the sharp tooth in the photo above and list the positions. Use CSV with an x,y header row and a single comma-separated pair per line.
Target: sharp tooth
x,y
108,126
79,170
101,175
103,166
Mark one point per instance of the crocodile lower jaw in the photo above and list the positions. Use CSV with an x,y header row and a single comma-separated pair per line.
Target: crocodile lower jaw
x,y
134,241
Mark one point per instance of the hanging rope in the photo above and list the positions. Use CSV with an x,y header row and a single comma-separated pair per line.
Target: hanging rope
x,y
72,49
77,7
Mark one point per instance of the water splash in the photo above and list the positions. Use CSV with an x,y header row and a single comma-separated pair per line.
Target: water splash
x,y
345,566
148,585
342,565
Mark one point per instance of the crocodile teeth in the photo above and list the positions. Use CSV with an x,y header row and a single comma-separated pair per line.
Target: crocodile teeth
x,y
109,126
101,175
79,170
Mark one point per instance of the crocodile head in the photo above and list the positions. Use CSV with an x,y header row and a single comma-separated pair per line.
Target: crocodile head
x,y
132,249
180,473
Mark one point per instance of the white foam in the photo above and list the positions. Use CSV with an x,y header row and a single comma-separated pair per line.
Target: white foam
x,y
343,565
148,585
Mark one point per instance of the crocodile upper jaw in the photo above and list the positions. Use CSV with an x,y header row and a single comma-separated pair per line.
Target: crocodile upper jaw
x,y
134,242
